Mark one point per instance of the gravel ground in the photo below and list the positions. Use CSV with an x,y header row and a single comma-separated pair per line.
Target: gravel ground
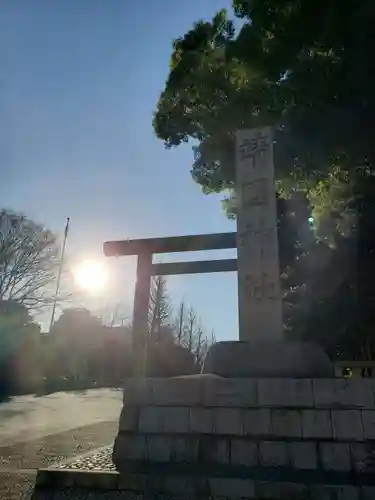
x,y
20,461
100,460
17,485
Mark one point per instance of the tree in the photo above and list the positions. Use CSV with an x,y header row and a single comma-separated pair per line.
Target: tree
x,y
114,314
311,80
278,70
297,79
82,352
76,319
19,349
179,323
29,261
326,68
327,88
159,310
78,342
282,71
190,333
208,95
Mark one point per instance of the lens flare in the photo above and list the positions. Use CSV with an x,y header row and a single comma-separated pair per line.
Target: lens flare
x,y
90,275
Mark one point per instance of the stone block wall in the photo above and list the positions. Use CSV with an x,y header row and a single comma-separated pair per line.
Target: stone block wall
x,y
295,435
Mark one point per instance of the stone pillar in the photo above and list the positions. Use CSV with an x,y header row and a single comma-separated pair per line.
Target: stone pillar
x,y
140,312
259,297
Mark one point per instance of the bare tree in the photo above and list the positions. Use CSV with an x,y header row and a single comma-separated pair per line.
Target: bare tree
x,y
206,344
190,333
29,261
212,339
159,309
114,314
191,325
199,343
179,324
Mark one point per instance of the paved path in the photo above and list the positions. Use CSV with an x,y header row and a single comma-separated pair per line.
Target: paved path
x,y
28,418
19,462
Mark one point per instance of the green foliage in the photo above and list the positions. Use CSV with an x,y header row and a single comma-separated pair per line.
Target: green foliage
x,y
311,79
305,68
84,351
19,349
16,325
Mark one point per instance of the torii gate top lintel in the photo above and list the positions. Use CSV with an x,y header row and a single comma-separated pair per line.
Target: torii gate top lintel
x,y
171,244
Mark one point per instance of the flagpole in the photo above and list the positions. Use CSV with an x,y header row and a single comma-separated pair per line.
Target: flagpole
x,y
59,275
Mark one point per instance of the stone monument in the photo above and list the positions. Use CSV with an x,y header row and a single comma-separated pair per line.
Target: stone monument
x,y
251,425
259,297
262,350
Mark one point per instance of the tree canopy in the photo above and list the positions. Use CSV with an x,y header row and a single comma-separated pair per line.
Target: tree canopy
x,y
19,336
16,324
304,67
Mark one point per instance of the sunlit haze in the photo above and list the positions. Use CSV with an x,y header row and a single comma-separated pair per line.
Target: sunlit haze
x,y
90,275
79,85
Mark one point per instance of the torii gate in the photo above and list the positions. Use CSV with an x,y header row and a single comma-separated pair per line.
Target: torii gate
x,y
257,265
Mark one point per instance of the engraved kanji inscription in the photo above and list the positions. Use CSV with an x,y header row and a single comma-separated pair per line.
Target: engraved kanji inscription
x,y
259,293
255,193
249,148
261,286
258,233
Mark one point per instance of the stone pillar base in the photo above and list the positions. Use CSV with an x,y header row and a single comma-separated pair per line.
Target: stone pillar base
x,y
206,437
268,359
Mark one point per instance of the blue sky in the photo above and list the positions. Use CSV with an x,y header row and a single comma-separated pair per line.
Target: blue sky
x,y
79,82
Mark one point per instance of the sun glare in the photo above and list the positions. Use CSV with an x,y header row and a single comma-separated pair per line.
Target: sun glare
x,y
90,276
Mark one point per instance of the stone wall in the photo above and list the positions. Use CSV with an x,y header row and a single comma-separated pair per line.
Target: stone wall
x,y
247,438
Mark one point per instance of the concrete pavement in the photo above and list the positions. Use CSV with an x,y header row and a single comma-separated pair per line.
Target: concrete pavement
x,y
27,418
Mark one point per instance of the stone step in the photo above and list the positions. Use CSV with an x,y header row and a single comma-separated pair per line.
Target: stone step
x,y
80,485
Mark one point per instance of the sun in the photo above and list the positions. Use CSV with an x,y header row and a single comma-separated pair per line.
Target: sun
x,y
90,275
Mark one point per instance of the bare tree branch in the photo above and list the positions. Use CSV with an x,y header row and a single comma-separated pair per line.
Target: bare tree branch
x,y
190,333
29,261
